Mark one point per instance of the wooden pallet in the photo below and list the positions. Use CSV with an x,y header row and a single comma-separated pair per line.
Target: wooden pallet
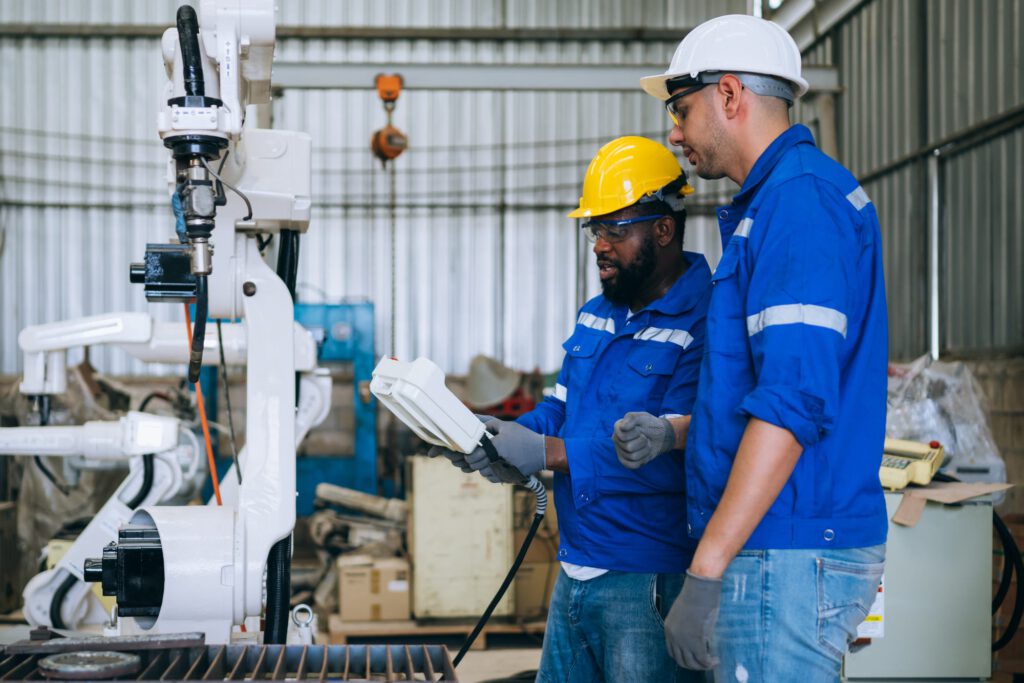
x,y
341,631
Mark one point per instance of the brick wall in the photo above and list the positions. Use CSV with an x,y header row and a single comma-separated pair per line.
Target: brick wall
x,y
1003,383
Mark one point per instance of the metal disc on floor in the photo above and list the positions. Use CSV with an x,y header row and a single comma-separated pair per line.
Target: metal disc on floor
x,y
89,665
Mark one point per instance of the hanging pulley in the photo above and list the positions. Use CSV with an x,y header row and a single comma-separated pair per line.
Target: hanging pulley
x,y
388,142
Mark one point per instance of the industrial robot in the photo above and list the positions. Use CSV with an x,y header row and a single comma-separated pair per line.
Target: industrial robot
x,y
235,187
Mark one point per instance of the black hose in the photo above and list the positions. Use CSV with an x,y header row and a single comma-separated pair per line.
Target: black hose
x,y
147,482
1012,563
149,397
1011,554
56,620
288,259
191,58
195,359
279,566
538,518
288,271
1007,575
43,404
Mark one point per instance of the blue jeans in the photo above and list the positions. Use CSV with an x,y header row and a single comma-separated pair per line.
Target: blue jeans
x,y
789,615
611,629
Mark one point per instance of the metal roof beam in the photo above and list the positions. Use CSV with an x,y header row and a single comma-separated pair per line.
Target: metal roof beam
x,y
482,33
528,77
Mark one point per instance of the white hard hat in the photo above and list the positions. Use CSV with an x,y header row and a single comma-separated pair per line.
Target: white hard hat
x,y
735,43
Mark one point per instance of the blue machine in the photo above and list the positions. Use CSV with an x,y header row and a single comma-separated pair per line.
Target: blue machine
x,y
344,334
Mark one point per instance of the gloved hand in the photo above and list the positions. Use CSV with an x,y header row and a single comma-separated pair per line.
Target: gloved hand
x,y
522,448
456,458
690,624
641,437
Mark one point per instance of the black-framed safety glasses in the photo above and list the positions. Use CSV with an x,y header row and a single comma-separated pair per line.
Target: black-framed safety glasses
x,y
671,103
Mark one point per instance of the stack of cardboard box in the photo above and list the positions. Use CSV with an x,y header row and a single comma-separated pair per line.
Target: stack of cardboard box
x,y
373,588
463,534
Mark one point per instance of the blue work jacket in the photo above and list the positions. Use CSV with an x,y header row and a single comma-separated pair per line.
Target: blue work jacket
x,y
611,517
798,337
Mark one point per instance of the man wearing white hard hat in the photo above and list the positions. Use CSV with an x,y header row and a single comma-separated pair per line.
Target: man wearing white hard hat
x,y
785,441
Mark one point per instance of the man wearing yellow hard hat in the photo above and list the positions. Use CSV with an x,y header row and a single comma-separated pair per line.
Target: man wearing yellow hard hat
x,y
635,352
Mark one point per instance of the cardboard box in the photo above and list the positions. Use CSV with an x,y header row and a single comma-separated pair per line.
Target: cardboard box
x,y
373,589
534,583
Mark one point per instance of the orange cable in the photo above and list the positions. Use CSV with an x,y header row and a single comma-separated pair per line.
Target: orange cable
x,y
202,417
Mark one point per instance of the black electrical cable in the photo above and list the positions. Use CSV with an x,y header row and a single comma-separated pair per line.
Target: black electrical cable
x,y
149,397
227,401
1013,563
147,483
43,405
288,259
1011,553
56,620
538,518
191,58
195,359
1007,574
288,271
279,565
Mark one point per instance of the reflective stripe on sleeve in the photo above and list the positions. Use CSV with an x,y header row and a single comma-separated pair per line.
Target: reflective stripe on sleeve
x,y
859,198
743,229
803,314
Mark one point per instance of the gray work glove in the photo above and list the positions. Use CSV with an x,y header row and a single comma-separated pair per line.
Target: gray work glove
x,y
456,458
641,437
690,624
521,448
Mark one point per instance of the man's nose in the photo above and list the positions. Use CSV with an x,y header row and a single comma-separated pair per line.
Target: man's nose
x,y
602,246
675,136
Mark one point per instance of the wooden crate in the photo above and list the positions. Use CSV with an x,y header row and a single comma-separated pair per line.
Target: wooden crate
x,y
461,538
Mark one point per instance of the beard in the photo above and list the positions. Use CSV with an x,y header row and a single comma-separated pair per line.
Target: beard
x,y
630,279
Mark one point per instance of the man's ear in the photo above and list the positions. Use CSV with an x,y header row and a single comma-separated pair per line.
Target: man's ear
x,y
730,88
664,230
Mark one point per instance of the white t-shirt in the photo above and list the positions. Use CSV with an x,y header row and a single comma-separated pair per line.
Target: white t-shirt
x,y
581,572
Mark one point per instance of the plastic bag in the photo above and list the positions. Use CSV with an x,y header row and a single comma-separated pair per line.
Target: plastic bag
x,y
942,401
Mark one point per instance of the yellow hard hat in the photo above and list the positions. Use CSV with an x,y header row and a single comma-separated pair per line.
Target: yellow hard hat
x,y
625,171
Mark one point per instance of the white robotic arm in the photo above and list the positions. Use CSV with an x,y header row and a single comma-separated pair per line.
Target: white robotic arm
x,y
165,464
45,346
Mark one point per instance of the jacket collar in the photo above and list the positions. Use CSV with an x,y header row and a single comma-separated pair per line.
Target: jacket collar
x,y
769,159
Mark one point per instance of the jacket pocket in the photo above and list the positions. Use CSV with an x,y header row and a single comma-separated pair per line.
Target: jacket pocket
x,y
652,366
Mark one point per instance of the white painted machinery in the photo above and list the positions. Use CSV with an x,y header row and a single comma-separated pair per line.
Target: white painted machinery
x,y
235,188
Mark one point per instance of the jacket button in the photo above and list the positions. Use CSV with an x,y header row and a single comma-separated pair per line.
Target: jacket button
x,y
584,497
829,535
562,553
648,367
723,215
576,348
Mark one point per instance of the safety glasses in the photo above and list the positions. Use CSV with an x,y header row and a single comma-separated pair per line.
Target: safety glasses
x,y
613,231
672,103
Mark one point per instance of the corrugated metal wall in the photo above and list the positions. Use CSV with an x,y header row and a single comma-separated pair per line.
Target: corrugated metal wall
x,y
497,274
82,169
914,72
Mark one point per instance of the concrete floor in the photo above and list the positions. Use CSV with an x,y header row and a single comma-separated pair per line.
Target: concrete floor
x,y
485,665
